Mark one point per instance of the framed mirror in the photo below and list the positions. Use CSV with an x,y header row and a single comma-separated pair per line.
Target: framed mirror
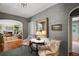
x,y
42,27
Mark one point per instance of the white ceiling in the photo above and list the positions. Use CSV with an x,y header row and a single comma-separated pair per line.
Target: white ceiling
x,y
29,11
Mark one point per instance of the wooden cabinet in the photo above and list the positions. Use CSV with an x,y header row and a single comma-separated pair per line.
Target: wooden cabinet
x,y
10,45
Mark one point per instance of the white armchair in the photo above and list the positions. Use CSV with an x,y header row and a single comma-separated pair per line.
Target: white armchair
x,y
52,48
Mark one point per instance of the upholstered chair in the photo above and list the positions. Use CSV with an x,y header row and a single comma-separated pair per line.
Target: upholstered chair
x,y
51,49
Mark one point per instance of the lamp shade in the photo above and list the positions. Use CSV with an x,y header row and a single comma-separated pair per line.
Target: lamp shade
x,y
43,32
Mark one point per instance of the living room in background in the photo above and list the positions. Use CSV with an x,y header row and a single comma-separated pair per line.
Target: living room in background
x,y
12,34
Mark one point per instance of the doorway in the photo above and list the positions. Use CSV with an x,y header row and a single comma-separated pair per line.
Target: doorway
x,y
74,33
11,28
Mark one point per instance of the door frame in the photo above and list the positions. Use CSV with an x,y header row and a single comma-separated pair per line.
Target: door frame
x,y
70,30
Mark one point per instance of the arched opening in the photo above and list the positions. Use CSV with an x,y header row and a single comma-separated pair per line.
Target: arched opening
x,y
73,31
11,28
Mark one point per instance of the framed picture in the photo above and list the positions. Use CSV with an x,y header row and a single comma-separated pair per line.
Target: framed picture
x,y
56,27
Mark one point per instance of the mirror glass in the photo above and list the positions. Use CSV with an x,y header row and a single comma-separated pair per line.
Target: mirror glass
x,y
41,26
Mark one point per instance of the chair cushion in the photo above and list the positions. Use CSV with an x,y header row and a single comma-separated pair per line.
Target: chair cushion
x,y
54,45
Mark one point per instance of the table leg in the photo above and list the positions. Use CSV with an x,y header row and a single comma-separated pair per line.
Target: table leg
x,y
37,49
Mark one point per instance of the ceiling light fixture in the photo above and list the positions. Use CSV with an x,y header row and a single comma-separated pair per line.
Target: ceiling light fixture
x,y
23,5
